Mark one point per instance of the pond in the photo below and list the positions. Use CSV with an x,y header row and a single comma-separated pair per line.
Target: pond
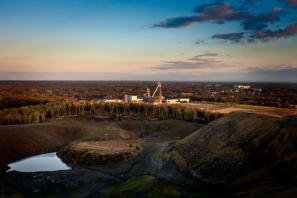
x,y
39,163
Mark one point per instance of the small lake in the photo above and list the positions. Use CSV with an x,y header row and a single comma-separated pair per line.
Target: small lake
x,y
39,163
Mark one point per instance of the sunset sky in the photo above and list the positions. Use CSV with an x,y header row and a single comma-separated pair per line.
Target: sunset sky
x,y
239,40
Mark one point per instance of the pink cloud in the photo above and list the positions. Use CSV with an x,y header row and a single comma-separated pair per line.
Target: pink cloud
x,y
292,2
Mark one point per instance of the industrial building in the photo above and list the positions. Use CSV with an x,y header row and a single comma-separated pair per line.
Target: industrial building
x,y
242,86
155,98
131,99
177,101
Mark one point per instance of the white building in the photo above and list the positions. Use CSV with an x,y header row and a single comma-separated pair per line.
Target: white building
x,y
177,101
172,101
184,100
242,86
131,98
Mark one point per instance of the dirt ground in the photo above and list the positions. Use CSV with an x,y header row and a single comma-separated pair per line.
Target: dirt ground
x,y
101,152
226,108
150,173
153,172
20,141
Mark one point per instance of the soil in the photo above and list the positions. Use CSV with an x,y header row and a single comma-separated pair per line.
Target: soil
x,y
241,154
100,152
149,169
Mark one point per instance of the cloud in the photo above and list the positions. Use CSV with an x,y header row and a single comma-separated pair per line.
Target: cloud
x,y
207,54
205,60
264,35
221,13
267,35
292,3
260,21
178,22
251,1
255,25
174,65
216,11
256,74
276,73
231,37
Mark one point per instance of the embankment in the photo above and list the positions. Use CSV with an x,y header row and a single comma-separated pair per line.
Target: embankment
x,y
249,153
20,141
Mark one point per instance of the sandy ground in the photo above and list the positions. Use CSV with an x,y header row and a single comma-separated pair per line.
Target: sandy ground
x,y
101,152
226,108
106,147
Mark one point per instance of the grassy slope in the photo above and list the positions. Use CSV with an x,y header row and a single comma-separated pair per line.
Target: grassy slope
x,y
249,153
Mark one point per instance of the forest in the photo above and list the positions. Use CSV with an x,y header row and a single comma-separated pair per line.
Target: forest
x,y
10,102
114,111
283,95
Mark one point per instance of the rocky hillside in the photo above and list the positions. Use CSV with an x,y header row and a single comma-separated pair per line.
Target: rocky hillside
x,y
249,153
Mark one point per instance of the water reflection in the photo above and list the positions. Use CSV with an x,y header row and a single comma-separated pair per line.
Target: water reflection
x,y
38,163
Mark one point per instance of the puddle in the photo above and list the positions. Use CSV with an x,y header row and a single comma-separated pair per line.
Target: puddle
x,y
39,163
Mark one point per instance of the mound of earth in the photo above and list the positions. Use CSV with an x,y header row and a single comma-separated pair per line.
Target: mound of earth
x,y
20,141
100,152
249,152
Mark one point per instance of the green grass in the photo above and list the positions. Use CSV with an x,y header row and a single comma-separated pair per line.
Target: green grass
x,y
165,191
132,186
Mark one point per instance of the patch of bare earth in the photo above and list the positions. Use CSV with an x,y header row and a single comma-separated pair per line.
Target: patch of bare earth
x,y
226,108
101,152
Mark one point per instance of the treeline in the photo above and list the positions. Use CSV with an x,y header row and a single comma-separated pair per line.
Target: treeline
x,y
113,111
11,102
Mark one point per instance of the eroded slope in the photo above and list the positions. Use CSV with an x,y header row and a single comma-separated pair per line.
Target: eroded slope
x,y
242,151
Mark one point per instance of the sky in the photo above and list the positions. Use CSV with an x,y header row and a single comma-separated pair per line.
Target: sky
x,y
174,40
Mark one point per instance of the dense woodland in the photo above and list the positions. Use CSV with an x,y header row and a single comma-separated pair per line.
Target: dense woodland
x,y
10,102
115,111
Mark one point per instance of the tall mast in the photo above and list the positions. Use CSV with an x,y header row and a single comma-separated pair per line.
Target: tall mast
x,y
160,92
